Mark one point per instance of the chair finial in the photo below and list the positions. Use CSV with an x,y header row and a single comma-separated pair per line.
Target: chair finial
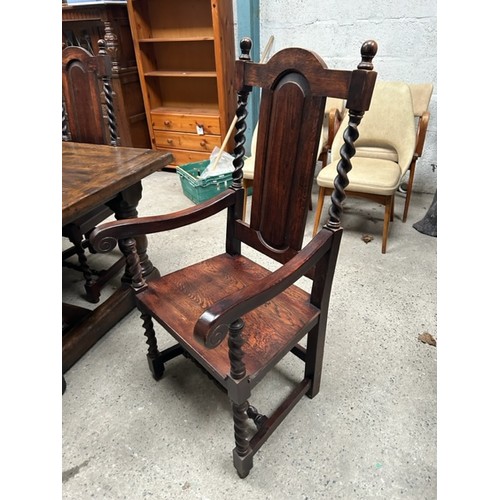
x,y
108,94
368,52
245,46
241,114
102,47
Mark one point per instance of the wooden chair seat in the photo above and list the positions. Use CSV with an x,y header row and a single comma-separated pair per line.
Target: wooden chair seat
x,y
178,299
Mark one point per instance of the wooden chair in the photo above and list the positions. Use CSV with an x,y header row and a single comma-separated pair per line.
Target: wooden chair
x,y
263,314
84,78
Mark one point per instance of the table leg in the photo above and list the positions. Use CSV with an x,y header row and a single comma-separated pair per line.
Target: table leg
x,y
79,339
125,207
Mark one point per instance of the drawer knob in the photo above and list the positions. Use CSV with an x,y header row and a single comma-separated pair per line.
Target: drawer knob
x,y
167,123
203,143
170,141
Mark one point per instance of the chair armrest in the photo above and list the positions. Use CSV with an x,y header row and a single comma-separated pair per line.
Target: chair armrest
x,y
105,237
212,326
421,133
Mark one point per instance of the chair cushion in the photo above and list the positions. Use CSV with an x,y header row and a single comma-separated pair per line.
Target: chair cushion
x,y
383,153
249,164
331,104
389,122
179,299
248,168
368,175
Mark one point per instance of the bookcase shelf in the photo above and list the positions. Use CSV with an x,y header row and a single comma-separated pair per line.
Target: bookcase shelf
x,y
185,56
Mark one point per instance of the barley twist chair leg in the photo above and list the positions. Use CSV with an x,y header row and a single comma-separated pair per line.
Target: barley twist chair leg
x,y
155,363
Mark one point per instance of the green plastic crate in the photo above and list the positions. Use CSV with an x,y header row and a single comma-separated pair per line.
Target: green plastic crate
x,y
199,190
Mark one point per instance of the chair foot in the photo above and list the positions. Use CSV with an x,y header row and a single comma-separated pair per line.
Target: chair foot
x,y
243,465
157,361
156,366
92,293
242,453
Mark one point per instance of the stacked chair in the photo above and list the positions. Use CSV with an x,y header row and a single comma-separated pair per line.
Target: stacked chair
x,y
391,139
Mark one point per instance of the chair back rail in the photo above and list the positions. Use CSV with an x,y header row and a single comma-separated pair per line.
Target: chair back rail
x,y
295,84
85,77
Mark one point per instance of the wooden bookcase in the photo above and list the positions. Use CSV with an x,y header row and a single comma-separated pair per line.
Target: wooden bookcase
x,y
185,56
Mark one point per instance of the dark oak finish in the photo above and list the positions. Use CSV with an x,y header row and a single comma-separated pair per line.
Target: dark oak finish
x,y
230,315
93,175
85,78
84,25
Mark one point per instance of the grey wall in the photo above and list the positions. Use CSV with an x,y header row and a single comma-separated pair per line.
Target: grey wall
x,y
406,33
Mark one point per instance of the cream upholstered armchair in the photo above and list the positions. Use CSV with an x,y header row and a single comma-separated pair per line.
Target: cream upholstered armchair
x,y
248,169
384,152
334,113
421,94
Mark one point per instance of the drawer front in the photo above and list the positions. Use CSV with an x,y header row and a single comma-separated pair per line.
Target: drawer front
x,y
174,140
181,156
193,124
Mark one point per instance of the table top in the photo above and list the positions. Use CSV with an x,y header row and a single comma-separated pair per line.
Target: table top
x,y
93,174
95,3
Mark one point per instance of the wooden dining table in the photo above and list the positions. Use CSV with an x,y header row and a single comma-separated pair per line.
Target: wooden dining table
x,y
94,175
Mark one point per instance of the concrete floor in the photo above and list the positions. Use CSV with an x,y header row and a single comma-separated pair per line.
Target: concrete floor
x,y
370,432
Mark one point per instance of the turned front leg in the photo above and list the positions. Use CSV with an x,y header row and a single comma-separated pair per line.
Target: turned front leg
x,y
154,360
242,458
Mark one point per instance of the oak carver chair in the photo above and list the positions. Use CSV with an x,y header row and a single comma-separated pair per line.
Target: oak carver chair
x,y
262,313
84,78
